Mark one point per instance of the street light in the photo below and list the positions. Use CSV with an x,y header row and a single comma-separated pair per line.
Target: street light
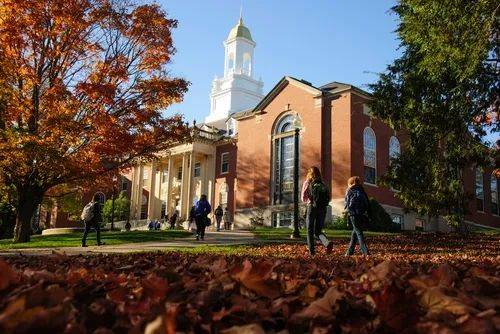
x,y
297,125
115,178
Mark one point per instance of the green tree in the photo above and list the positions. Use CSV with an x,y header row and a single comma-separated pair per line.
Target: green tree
x,y
443,94
122,209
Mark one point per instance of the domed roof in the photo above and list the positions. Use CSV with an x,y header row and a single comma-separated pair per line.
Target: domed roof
x,y
240,30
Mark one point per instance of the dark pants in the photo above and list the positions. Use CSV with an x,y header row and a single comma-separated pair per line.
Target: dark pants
x,y
201,224
218,219
315,221
357,235
88,226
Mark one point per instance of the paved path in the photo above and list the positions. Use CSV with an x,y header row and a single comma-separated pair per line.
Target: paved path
x,y
211,239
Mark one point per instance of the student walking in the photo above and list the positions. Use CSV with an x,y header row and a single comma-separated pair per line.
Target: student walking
x,y
92,217
317,196
227,219
357,207
218,216
202,209
173,219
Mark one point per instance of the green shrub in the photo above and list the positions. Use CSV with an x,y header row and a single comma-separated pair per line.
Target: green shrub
x,y
122,209
338,223
380,220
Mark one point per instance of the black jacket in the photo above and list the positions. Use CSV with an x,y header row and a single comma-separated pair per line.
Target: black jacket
x,y
97,218
356,207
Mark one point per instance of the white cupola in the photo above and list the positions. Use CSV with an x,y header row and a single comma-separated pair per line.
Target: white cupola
x,y
237,90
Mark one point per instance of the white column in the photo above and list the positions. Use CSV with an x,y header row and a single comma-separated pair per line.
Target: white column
x,y
157,197
138,193
133,191
152,185
189,184
183,183
211,178
168,198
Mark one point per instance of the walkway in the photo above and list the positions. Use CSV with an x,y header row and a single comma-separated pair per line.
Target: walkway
x,y
211,239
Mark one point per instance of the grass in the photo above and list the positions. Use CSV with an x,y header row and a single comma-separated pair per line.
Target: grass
x,y
110,238
269,233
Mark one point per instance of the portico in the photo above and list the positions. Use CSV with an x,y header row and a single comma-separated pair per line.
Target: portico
x,y
175,180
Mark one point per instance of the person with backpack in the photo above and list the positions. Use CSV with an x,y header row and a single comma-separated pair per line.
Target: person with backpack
x,y
202,210
357,206
173,219
317,196
92,218
218,216
227,219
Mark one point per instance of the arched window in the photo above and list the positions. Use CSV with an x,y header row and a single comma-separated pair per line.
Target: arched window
x,y
494,194
479,190
370,156
394,148
283,160
247,64
101,199
230,62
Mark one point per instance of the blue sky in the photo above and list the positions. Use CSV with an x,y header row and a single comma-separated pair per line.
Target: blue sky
x,y
319,41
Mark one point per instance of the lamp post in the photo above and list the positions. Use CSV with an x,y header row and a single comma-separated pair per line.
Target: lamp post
x,y
115,178
297,124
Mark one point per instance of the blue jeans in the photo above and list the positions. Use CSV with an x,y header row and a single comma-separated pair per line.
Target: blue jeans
x,y
315,221
357,235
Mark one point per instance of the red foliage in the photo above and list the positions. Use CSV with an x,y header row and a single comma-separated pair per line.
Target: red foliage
x,y
413,284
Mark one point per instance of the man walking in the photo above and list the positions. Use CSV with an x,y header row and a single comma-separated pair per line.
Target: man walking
x,y
357,206
227,219
92,217
218,216
202,210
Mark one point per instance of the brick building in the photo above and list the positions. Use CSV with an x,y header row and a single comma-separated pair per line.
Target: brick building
x,y
242,157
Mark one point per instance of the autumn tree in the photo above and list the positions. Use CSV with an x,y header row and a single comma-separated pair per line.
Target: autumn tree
x,y
443,91
84,89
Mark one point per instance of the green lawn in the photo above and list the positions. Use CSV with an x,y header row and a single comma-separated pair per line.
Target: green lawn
x,y
110,238
268,233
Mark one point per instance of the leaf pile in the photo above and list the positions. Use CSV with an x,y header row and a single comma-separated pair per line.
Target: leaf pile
x,y
412,284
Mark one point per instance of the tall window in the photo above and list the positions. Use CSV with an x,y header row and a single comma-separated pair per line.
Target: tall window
x,y
394,148
179,173
224,163
370,156
494,195
164,175
247,64
284,153
197,169
479,190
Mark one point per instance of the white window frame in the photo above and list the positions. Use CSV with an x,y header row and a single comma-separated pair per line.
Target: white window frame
x,y
394,143
224,154
374,154
197,169
494,180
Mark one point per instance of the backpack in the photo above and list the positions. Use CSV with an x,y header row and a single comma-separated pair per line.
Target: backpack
x,y
320,194
359,201
88,212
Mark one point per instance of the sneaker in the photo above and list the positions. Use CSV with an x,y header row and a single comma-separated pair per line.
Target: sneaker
x,y
84,246
329,247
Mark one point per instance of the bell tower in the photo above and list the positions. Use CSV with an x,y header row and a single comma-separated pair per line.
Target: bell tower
x,y
237,90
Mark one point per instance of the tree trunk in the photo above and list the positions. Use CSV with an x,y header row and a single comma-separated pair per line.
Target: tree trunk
x,y
28,200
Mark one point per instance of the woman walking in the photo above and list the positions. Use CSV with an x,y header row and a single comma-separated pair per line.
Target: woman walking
x,y
357,206
202,209
317,196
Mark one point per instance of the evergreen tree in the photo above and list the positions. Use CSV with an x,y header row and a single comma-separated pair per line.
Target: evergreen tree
x,y
443,94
